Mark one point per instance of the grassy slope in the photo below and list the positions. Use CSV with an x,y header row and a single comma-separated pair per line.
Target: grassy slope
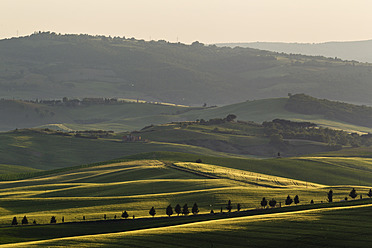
x,y
15,169
318,169
42,151
136,186
313,228
134,116
116,117
304,226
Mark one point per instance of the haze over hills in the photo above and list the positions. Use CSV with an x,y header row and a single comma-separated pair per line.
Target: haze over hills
x,y
117,116
49,66
347,50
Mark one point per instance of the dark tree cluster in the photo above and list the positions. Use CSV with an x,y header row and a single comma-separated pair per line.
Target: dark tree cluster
x,y
279,129
304,104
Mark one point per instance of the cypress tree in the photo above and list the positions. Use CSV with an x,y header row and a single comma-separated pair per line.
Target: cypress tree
x,y
229,206
264,202
177,209
169,210
296,200
330,195
288,201
195,209
14,221
53,220
125,215
152,212
185,209
24,220
353,193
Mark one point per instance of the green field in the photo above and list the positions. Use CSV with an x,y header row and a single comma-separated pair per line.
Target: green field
x,y
138,185
40,150
333,227
82,195
131,116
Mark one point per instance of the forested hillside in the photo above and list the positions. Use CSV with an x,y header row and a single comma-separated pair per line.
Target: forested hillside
x,y
301,103
48,65
349,50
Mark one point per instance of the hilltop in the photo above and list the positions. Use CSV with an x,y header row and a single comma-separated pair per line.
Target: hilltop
x,y
119,116
348,50
48,65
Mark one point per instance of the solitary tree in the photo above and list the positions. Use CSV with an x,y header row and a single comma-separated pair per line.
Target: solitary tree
x,y
229,206
169,210
353,193
370,193
330,196
152,212
296,200
125,215
230,117
264,202
53,220
238,207
185,210
14,221
195,209
272,203
63,219
104,216
24,220
288,201
177,209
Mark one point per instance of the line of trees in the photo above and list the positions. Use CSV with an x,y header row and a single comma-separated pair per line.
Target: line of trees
x,y
195,208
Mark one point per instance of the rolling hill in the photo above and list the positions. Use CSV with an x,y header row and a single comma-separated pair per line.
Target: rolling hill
x,y
84,195
308,228
130,116
48,66
348,50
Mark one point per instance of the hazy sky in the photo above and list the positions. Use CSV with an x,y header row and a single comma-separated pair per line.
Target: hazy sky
x,y
208,21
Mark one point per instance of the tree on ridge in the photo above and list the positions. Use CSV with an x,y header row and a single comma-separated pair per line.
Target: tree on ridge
x,y
125,215
330,195
14,221
24,220
152,212
353,193
264,202
296,200
177,209
185,209
229,206
195,209
169,210
288,201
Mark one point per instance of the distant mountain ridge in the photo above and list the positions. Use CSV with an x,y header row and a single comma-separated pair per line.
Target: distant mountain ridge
x,y
49,66
347,50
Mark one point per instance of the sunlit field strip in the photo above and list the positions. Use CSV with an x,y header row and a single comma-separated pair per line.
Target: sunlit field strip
x,y
298,228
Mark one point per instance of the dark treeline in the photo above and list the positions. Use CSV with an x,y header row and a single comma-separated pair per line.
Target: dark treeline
x,y
279,129
355,114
